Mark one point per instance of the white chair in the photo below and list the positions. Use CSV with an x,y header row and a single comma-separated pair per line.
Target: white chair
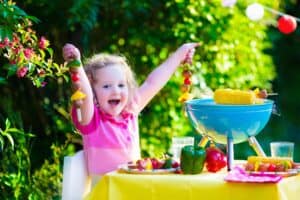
x,y
76,182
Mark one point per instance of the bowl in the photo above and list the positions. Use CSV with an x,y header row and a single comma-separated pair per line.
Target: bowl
x,y
219,122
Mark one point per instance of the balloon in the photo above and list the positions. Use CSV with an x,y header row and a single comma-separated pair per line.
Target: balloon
x,y
287,24
228,3
255,11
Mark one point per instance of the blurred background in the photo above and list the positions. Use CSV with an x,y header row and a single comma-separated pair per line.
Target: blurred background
x,y
235,52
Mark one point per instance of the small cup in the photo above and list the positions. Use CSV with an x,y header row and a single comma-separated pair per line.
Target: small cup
x,y
282,149
178,143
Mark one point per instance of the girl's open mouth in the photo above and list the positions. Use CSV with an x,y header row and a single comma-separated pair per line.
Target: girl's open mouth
x,y
114,101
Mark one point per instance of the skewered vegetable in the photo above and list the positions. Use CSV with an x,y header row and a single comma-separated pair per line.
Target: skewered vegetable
x,y
232,96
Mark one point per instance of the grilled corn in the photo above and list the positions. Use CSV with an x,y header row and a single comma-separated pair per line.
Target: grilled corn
x,y
256,161
231,96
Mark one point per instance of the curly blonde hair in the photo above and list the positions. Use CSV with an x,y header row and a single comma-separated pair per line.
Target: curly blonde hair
x,y
101,60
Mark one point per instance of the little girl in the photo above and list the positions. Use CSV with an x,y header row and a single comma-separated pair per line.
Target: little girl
x,y
109,111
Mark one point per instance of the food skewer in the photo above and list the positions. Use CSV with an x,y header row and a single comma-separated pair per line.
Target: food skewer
x,y
78,96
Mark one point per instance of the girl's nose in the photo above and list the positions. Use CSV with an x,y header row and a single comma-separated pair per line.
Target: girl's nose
x,y
116,89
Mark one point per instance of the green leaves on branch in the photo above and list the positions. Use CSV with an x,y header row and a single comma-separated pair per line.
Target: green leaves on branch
x,y
28,55
9,133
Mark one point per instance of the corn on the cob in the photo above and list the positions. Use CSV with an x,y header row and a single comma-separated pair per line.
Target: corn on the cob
x,y
256,160
231,96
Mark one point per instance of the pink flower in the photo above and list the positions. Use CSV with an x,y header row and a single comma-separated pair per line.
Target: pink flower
x,y
43,43
22,71
4,43
28,53
44,83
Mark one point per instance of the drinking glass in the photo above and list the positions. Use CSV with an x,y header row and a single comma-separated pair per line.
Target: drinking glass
x,y
178,143
282,149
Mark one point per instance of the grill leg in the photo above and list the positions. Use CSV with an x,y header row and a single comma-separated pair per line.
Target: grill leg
x,y
230,153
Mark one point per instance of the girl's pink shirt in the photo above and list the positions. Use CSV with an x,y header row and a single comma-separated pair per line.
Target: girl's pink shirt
x,y
107,142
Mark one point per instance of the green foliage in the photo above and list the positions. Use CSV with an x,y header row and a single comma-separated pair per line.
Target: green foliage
x,y
16,178
8,133
11,15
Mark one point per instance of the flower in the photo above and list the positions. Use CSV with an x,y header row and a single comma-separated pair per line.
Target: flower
x,y
4,43
43,84
43,43
28,52
22,71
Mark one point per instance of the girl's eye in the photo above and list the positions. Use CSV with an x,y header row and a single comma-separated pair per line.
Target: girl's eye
x,y
105,86
121,85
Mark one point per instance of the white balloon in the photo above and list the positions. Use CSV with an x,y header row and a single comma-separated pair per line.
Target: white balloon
x,y
255,11
228,3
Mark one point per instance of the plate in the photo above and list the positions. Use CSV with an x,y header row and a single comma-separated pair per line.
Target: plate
x,y
131,169
291,172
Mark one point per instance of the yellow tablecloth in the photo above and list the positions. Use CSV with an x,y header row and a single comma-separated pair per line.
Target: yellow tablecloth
x,y
121,186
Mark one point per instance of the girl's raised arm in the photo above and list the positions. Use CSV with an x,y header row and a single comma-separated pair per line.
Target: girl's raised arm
x,y
81,82
160,76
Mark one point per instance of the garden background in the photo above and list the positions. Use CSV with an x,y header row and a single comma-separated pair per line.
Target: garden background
x,y
36,130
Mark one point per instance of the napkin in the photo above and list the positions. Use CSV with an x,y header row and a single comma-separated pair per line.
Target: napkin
x,y
238,174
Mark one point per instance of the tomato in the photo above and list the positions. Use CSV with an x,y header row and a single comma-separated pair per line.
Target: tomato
x,y
280,168
272,168
74,77
263,167
187,81
156,164
175,164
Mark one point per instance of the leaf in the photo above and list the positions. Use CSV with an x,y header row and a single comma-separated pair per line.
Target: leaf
x,y
3,80
42,53
7,124
12,69
11,140
33,18
50,51
67,79
14,130
18,11
37,83
1,142
5,32
31,67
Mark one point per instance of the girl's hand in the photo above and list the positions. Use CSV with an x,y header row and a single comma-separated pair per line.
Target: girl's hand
x,y
70,52
186,52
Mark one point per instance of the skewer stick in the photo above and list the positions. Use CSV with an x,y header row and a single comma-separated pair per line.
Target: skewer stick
x,y
272,94
78,114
